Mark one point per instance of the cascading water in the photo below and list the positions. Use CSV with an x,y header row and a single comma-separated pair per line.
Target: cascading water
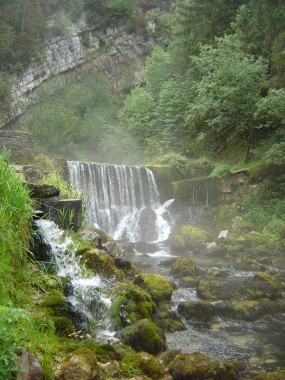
x,y
88,298
122,200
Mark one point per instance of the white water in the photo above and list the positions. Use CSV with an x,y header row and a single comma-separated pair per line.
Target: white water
x,y
88,297
122,200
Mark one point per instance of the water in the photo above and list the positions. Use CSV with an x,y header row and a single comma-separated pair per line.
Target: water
x,y
122,200
90,296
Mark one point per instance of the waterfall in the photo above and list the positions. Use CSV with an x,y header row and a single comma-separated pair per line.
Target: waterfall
x,y
89,300
122,200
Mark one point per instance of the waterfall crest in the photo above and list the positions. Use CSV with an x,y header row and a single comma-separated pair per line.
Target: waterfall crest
x,y
122,200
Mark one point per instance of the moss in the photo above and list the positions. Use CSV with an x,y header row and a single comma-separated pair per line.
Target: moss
x,y
199,366
183,267
145,362
80,364
197,312
168,321
187,236
99,262
276,375
55,301
262,171
207,289
83,249
63,325
159,287
132,304
143,336
244,262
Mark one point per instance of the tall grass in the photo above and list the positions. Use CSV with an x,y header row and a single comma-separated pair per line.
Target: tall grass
x,y
16,212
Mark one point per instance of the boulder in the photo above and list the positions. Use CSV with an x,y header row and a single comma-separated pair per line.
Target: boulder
x,y
80,365
143,336
197,312
31,368
225,235
97,260
131,304
188,237
159,287
183,267
198,366
144,362
168,321
276,375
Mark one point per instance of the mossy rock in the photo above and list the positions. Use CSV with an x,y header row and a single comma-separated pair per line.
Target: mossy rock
x,y
198,366
44,282
98,261
143,336
168,320
249,310
159,287
276,375
111,369
183,267
262,285
145,363
63,325
56,302
188,237
197,312
244,262
80,365
132,304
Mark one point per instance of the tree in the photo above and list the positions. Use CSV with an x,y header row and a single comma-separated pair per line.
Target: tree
x,y
227,94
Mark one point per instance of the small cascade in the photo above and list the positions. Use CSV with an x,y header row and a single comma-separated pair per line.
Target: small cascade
x,y
122,200
88,298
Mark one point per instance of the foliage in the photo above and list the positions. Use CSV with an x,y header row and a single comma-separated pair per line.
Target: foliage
x,y
66,190
15,217
221,170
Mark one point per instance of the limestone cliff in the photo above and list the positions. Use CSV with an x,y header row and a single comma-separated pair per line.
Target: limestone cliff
x,y
117,52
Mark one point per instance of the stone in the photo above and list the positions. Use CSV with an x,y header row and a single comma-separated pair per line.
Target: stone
x,y
98,261
42,190
80,365
159,287
212,246
145,362
198,366
183,267
224,235
20,145
31,368
200,312
188,237
143,336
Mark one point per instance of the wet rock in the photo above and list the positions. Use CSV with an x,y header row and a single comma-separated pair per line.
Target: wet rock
x,y
188,237
159,287
197,312
248,310
111,369
168,321
243,262
80,365
183,267
144,362
42,190
97,260
198,366
143,336
277,375
31,368
131,304
262,285
63,325
90,234
55,301
123,263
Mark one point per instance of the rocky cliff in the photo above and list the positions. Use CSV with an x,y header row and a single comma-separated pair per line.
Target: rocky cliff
x,y
117,52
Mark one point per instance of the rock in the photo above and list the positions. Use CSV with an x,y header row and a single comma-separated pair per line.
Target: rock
x,y
198,366
276,375
144,362
80,365
111,369
212,246
19,144
97,260
168,321
188,237
225,235
31,368
90,234
131,304
42,190
63,326
55,301
159,287
143,336
197,312
183,267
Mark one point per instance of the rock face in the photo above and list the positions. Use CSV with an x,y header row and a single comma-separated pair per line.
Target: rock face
x,y
19,144
116,52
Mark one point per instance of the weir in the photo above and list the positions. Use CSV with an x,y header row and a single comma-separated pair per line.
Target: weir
x,y
122,200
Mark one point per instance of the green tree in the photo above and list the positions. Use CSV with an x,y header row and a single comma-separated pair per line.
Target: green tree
x,y
228,93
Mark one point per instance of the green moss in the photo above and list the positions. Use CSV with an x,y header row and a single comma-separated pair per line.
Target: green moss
x,y
206,289
98,261
187,236
55,301
78,362
183,267
63,325
159,287
145,363
132,304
